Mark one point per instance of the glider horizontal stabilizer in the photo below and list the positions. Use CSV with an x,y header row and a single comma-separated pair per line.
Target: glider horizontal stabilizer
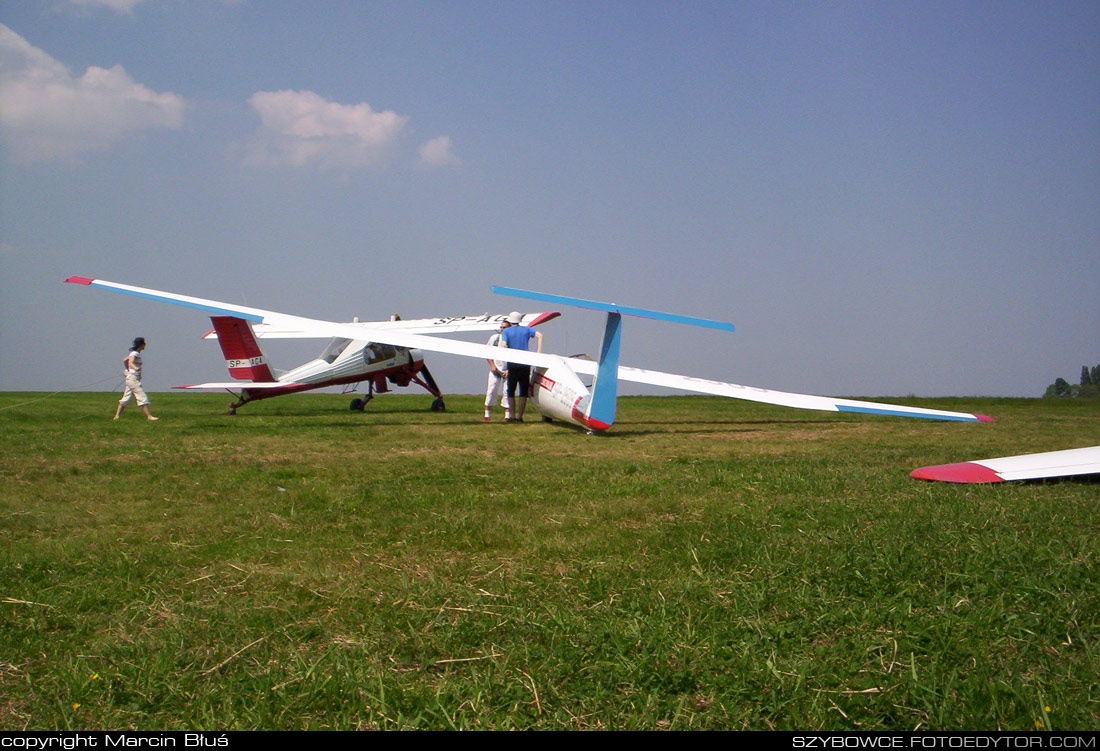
x,y
607,307
1068,463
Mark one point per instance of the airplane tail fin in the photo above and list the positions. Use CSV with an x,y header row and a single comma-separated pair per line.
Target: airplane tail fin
x,y
601,407
243,357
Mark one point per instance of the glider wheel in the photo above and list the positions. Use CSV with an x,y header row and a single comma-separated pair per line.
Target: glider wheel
x,y
438,405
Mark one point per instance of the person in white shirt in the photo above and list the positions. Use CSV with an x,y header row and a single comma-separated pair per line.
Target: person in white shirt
x,y
131,366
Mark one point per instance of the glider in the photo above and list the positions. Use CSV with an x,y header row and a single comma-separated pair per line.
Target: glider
x,y
557,389
1084,461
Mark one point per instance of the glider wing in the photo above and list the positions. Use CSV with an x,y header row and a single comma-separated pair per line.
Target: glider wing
x,y
782,398
1085,461
312,328
445,325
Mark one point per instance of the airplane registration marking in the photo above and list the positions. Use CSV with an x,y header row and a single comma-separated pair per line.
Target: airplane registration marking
x,y
250,362
487,318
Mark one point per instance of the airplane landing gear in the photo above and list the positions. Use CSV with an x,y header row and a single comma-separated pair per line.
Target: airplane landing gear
x,y
438,405
232,410
358,405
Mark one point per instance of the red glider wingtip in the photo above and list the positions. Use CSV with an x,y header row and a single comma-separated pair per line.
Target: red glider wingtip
x,y
961,472
79,280
985,418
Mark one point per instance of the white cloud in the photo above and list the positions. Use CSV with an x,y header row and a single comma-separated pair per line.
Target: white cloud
x,y
48,113
302,128
437,152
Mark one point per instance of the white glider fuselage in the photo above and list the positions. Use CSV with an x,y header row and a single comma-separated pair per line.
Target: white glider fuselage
x,y
559,394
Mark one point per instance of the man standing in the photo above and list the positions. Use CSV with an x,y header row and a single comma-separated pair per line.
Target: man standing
x,y
498,372
517,336
131,366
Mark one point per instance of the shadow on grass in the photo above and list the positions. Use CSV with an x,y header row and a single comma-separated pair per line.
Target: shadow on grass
x,y
1093,479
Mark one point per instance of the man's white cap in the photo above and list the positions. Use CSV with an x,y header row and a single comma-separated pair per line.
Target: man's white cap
x,y
514,317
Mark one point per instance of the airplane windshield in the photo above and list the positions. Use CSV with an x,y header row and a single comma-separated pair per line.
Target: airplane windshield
x,y
333,350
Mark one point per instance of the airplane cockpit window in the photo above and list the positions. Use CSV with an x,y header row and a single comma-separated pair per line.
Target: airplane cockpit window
x,y
375,352
333,350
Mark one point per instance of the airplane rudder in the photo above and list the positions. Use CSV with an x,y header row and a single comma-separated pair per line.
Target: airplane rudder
x,y
243,356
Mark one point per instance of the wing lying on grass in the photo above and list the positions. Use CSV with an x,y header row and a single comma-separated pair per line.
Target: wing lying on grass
x,y
313,327
1068,463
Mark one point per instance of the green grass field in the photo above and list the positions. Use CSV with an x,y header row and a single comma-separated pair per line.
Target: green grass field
x,y
708,564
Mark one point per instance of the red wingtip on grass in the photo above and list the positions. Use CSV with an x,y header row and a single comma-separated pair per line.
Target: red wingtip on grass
x,y
961,472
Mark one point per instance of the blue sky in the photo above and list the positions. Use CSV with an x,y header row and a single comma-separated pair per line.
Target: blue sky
x,y
886,198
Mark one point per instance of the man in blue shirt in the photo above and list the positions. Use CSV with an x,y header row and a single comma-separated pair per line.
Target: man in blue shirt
x,y
517,336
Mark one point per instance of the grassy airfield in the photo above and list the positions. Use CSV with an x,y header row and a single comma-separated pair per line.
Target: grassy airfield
x,y
708,564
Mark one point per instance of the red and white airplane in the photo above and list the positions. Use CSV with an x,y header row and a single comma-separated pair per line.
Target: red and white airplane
x,y
557,389
1046,465
348,360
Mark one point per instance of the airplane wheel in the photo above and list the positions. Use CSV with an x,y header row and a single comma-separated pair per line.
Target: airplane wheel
x,y
357,405
438,405
547,419
232,409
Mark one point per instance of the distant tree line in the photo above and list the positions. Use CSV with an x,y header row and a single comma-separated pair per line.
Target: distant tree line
x,y
1088,388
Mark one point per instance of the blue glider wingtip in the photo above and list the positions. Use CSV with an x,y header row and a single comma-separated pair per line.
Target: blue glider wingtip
x,y
613,308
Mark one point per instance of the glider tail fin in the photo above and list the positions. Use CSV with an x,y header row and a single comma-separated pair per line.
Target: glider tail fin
x,y
243,357
605,389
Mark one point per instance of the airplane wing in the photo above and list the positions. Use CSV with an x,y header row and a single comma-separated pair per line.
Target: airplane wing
x,y
312,327
1067,463
444,325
